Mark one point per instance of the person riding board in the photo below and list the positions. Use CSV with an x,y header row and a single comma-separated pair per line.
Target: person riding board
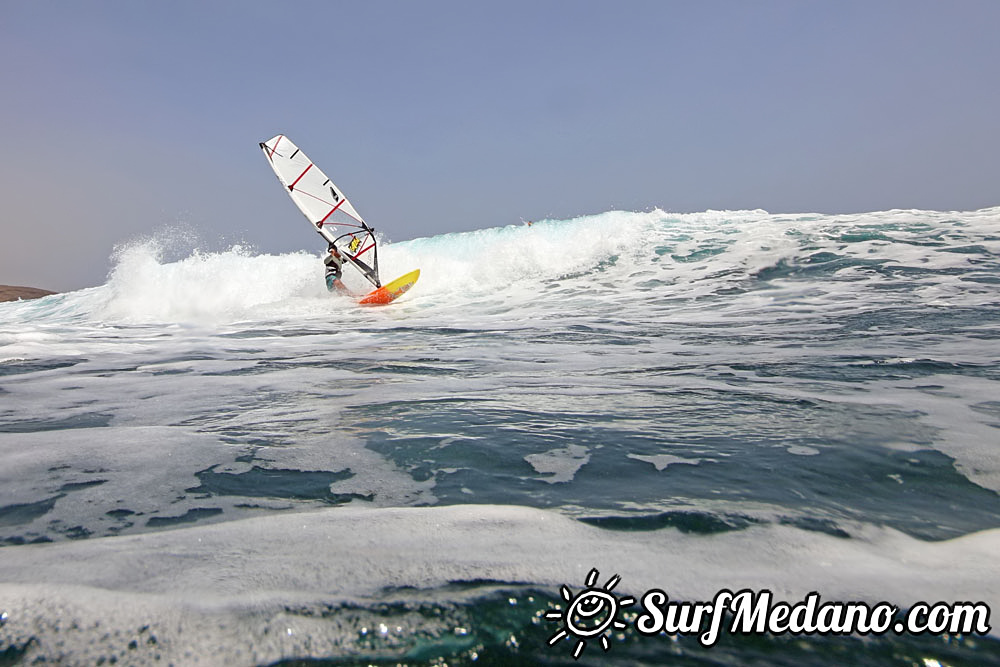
x,y
334,262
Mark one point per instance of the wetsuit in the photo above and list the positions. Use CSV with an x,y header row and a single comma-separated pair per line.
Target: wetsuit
x,y
334,271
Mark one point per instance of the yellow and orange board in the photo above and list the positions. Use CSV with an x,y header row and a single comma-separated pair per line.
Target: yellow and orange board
x,y
390,291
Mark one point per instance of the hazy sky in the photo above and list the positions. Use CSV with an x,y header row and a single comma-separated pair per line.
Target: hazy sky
x,y
125,118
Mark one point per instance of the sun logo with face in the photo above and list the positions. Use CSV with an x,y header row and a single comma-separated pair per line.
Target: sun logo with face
x,y
593,612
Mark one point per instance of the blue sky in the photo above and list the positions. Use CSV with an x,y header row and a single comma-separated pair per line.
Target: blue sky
x,y
127,118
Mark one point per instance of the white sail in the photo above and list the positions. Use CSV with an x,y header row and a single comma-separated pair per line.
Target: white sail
x,y
313,192
323,204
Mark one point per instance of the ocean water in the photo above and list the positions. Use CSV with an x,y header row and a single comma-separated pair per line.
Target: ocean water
x,y
211,460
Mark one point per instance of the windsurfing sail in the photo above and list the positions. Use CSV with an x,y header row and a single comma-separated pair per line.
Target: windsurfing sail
x,y
324,205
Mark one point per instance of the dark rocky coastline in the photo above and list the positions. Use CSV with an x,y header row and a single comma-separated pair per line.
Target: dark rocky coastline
x,y
14,292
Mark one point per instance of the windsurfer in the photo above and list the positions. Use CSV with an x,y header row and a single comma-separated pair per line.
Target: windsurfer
x,y
334,270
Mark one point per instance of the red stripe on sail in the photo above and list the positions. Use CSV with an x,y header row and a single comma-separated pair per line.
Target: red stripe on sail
x,y
364,251
342,200
292,186
270,155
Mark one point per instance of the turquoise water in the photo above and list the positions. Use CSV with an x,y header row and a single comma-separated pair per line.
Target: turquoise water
x,y
210,459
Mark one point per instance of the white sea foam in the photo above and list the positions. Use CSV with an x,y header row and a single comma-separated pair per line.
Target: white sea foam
x,y
220,593
663,461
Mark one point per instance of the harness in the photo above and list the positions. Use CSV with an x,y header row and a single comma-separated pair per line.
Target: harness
x,y
334,264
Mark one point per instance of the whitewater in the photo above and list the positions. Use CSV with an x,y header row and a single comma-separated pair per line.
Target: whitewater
x,y
209,459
